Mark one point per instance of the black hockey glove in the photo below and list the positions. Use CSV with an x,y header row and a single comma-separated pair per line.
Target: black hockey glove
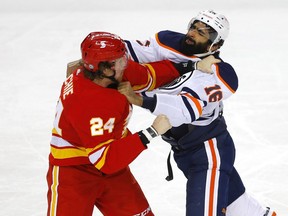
x,y
185,67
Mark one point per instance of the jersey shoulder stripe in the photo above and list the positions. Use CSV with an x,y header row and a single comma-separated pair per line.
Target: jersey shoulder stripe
x,y
189,108
170,39
227,76
131,50
195,101
191,92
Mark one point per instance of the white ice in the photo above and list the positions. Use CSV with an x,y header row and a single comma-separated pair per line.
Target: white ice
x,y
39,37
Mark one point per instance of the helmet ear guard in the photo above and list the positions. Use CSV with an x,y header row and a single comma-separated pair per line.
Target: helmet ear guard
x,y
99,73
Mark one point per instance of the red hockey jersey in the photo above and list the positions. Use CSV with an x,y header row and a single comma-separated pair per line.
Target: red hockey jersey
x,y
91,121
90,126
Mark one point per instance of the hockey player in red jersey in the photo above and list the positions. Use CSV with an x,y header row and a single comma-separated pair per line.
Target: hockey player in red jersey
x,y
193,105
91,146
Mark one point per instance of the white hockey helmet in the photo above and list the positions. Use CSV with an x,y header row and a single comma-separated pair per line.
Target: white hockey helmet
x,y
217,21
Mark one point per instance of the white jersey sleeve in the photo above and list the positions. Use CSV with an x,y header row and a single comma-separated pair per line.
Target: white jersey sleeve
x,y
144,51
195,97
164,45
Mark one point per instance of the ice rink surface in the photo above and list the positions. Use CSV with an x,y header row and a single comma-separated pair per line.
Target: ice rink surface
x,y
38,38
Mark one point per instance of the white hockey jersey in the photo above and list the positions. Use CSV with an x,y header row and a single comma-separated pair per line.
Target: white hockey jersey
x,y
165,45
195,97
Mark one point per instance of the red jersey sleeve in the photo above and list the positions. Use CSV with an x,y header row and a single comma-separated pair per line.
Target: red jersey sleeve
x,y
146,77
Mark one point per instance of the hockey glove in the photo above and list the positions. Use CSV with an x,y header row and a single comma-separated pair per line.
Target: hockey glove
x,y
185,67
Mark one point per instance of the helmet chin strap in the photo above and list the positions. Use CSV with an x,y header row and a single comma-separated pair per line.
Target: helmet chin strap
x,y
210,52
205,54
211,47
114,83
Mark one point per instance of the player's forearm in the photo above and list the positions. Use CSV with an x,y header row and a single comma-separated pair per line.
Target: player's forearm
x,y
123,151
149,103
136,100
133,98
180,109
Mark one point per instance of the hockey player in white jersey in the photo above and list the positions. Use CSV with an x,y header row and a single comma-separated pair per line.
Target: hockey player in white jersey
x,y
203,148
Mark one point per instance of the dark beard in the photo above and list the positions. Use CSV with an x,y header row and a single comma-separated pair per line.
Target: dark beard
x,y
191,49
113,85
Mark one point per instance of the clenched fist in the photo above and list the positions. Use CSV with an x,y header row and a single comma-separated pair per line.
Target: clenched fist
x,y
126,89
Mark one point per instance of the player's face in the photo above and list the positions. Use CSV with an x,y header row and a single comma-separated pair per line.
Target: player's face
x,y
198,33
119,65
197,39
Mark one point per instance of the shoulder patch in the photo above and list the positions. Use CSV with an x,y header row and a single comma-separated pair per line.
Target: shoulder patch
x,y
177,82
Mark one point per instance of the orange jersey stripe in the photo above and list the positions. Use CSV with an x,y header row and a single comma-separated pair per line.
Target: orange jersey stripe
x,y
153,74
144,86
222,80
196,102
213,178
151,80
